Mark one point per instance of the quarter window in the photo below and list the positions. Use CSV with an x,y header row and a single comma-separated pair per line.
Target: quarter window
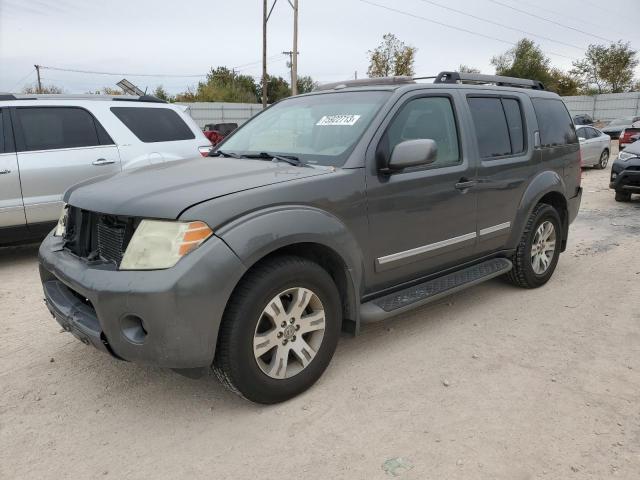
x,y
499,126
554,122
153,125
49,128
426,118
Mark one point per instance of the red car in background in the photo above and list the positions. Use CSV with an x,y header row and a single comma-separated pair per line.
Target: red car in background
x,y
629,135
216,132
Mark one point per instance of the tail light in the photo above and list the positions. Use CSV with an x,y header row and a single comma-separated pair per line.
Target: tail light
x,y
204,150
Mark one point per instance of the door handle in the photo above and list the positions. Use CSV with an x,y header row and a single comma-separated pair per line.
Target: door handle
x,y
4,172
465,184
103,161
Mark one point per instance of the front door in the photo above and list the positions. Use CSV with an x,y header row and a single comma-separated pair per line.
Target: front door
x,y
422,219
11,207
57,148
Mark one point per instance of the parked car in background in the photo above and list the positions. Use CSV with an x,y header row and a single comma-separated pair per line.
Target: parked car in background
x,y
615,127
216,132
630,135
625,173
383,195
50,142
583,120
595,146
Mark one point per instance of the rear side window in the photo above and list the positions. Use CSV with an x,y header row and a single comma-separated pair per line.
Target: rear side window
x,y
153,125
49,128
498,128
556,127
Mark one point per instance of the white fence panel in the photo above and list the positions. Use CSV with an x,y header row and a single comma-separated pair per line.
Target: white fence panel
x,y
218,112
606,106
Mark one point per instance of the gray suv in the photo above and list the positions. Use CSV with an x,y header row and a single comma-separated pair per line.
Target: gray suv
x,y
351,204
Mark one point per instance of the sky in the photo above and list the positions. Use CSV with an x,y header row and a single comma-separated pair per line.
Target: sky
x,y
174,44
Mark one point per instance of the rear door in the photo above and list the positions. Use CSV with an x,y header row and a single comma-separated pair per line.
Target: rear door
x,y
57,148
11,206
587,146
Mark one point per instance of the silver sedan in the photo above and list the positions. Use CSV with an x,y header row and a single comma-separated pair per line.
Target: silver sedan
x,y
595,146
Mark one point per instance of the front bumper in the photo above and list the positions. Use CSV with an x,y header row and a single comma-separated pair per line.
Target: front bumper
x,y
169,318
626,181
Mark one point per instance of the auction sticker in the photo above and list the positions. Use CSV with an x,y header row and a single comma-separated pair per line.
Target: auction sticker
x,y
340,120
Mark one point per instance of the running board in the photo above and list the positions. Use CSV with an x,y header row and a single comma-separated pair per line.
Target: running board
x,y
427,292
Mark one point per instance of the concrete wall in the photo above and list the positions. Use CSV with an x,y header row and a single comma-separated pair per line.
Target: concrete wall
x,y
606,106
217,112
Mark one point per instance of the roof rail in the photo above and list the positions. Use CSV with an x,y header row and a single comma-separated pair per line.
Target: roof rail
x,y
88,96
363,82
457,77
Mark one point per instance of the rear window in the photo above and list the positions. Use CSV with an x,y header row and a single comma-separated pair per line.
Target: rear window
x,y
556,127
499,126
49,128
153,125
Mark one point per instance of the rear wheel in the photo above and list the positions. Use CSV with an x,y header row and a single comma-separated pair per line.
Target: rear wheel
x,y
604,160
623,196
279,331
537,253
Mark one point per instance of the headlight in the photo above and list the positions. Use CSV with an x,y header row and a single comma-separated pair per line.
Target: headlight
x,y
624,156
158,244
61,227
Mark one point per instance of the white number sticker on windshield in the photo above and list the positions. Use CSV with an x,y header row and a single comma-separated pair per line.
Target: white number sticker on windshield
x,y
339,120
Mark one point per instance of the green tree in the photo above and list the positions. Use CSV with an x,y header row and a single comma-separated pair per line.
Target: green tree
x,y
525,60
563,83
306,84
33,89
607,68
277,89
392,57
222,85
162,94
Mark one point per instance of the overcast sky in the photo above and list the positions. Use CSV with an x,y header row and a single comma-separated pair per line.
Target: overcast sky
x,y
190,36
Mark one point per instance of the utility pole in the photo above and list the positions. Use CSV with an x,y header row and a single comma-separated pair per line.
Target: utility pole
x,y
39,82
265,19
294,58
290,65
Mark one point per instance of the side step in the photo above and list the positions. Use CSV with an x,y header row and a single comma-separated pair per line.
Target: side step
x,y
427,292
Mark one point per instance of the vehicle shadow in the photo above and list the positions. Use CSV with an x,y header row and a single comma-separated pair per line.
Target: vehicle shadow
x,y
19,253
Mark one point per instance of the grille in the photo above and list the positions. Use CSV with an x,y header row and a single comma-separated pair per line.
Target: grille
x,y
97,237
111,242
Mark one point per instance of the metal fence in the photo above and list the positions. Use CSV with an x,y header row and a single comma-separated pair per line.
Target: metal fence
x,y
217,112
606,106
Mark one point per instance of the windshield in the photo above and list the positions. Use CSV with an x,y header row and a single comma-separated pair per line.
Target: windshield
x,y
318,129
621,121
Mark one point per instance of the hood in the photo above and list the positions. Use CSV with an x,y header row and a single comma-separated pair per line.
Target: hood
x,y
165,190
614,128
633,148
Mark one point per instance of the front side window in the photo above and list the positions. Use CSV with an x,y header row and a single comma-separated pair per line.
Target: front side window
x,y
152,125
319,129
49,128
554,122
427,118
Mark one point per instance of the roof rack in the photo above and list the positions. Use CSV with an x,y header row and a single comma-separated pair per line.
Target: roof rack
x,y
456,77
58,96
363,82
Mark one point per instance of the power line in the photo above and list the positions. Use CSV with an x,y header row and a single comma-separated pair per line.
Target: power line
x,y
501,24
23,79
125,74
447,25
550,21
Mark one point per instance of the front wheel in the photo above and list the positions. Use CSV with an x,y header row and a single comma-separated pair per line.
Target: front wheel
x,y
279,331
604,160
537,253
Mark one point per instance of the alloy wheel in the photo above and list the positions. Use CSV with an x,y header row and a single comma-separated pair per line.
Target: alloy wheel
x,y
543,247
604,159
289,333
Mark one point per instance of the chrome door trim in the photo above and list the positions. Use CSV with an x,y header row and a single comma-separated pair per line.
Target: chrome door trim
x,y
495,228
394,257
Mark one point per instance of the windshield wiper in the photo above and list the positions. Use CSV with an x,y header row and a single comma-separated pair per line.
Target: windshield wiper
x,y
290,159
220,153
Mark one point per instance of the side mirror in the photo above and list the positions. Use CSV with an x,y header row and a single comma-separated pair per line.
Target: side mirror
x,y
412,153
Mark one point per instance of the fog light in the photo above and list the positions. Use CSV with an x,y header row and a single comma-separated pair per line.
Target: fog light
x,y
133,329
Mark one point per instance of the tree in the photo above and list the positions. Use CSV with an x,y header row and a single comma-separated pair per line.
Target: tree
x,y
607,68
306,84
467,69
222,85
525,60
162,94
112,91
391,57
563,83
33,89
277,89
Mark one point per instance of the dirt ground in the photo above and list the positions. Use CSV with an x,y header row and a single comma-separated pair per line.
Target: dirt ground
x,y
492,383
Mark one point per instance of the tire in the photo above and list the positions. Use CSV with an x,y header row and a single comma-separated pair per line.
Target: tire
x,y
604,160
246,362
524,272
623,196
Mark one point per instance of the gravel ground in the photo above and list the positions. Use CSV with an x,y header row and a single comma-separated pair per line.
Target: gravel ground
x,y
492,383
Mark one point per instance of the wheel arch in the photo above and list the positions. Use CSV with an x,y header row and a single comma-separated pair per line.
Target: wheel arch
x,y
305,232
